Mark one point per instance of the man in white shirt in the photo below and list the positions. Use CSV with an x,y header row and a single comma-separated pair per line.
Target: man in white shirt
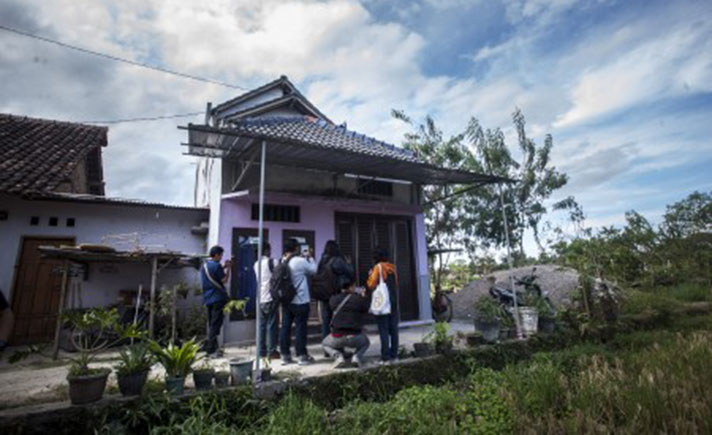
x,y
297,312
268,307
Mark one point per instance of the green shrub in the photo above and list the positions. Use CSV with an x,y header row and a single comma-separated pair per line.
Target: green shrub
x,y
688,292
293,416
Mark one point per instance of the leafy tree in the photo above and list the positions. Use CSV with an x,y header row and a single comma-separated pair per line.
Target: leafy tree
x,y
536,180
470,217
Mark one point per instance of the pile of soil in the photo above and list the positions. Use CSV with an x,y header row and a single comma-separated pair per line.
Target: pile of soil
x,y
559,283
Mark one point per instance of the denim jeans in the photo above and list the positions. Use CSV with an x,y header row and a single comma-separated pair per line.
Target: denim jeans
x,y
299,314
215,321
335,346
388,330
326,316
268,328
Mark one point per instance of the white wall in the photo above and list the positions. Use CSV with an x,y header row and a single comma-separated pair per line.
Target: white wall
x,y
157,227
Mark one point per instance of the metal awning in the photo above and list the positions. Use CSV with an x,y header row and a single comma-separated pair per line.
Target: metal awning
x,y
314,144
157,260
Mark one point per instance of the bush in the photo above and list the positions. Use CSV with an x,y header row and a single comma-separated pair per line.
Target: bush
x,y
293,416
688,292
479,408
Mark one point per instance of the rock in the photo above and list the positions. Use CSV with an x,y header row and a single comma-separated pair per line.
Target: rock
x,y
559,283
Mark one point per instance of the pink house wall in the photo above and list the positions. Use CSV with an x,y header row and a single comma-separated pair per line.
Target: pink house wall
x,y
317,214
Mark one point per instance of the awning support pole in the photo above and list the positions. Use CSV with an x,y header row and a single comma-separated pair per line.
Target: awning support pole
x,y
509,262
260,225
154,272
173,314
60,310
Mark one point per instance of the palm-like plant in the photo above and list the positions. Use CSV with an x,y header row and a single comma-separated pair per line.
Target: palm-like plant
x,y
176,360
134,359
93,331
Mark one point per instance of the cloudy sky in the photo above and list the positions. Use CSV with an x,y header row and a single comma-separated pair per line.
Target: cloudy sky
x,y
625,87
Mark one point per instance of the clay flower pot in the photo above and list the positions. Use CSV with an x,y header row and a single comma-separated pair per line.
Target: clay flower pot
x,y
87,388
132,384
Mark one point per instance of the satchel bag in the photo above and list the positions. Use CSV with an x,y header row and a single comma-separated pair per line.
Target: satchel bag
x,y
380,301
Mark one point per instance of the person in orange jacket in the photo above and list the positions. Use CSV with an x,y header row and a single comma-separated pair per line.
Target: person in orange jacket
x,y
387,323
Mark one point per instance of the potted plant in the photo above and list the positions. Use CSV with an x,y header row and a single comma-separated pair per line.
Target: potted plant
x,y
93,331
528,315
488,317
265,373
177,361
133,369
241,370
203,376
222,378
422,349
440,339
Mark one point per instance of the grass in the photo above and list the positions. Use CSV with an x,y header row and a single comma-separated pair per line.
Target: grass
x,y
643,381
639,382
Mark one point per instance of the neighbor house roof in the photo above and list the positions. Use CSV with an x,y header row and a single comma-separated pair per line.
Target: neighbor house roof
x,y
39,154
308,142
290,96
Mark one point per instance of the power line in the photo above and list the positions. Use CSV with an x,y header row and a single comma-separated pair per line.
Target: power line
x,y
119,59
148,118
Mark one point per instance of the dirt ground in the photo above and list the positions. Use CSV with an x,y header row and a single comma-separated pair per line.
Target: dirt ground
x,y
39,379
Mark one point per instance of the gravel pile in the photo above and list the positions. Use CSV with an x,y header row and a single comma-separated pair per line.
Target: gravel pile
x,y
558,282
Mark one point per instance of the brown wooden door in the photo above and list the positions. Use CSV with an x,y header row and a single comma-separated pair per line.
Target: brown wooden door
x,y
359,234
35,299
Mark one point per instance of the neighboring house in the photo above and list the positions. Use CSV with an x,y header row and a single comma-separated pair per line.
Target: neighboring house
x,y
52,193
323,182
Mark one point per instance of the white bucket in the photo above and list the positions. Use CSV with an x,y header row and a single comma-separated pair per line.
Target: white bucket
x,y
529,319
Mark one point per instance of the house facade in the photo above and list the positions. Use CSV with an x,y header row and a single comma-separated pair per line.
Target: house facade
x,y
52,194
322,182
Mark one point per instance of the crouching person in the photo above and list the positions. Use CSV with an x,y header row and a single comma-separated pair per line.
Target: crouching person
x,y
349,308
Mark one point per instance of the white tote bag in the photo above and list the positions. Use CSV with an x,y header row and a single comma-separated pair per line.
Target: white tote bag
x,y
380,301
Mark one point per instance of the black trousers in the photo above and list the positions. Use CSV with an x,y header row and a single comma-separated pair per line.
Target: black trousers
x,y
215,321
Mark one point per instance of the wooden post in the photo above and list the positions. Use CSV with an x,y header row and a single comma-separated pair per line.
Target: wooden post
x,y
154,272
60,311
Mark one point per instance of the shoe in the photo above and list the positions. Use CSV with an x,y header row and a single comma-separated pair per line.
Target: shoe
x,y
384,363
275,355
341,363
326,355
305,360
286,360
360,362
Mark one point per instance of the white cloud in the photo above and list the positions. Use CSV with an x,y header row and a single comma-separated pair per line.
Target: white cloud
x,y
356,68
665,67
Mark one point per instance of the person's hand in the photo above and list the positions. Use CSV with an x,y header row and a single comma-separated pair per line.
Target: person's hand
x,y
228,264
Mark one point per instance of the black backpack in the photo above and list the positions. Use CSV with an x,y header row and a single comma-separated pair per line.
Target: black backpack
x,y
324,282
281,287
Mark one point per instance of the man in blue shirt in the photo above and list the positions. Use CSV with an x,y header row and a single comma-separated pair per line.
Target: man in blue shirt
x,y
214,276
301,267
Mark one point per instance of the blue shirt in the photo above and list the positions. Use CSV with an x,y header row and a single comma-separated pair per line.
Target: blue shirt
x,y
300,268
211,293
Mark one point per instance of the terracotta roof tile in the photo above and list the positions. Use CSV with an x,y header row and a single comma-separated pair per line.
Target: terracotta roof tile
x,y
39,154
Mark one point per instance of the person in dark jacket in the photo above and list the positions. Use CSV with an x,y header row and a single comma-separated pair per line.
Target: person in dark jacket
x,y
343,274
214,276
387,323
349,309
7,320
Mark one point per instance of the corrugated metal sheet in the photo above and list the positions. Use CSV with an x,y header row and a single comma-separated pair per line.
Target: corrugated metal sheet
x,y
309,143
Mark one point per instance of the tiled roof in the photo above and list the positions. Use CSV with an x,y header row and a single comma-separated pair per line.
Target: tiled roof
x,y
39,154
108,200
312,131
291,94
